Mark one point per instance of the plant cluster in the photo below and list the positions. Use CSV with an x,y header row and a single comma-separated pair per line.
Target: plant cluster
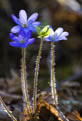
x,y
21,34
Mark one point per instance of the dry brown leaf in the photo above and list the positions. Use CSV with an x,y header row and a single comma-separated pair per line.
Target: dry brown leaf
x,y
24,116
78,116
74,116
55,112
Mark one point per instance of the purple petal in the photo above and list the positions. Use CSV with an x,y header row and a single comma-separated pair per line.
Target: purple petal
x,y
15,19
32,18
23,17
64,38
48,39
21,34
37,23
25,35
29,34
13,37
59,39
30,41
14,44
23,45
64,34
15,29
32,28
26,29
58,32
51,31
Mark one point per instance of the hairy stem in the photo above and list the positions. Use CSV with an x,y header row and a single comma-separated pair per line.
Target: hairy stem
x,y
36,76
7,110
53,78
24,83
53,83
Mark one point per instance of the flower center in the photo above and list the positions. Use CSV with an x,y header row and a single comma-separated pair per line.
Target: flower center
x,y
22,41
24,25
53,38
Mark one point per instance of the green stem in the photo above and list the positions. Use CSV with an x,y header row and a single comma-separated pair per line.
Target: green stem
x,y
24,83
36,76
53,78
8,111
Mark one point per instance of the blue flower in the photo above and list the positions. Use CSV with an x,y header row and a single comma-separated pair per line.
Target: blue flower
x,y
22,40
24,23
58,35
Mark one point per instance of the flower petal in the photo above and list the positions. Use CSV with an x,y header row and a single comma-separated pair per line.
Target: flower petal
x,y
58,32
23,17
32,18
57,35
48,39
29,34
59,39
15,29
15,19
26,29
23,45
14,44
64,34
30,41
25,35
32,28
37,23
52,32
63,38
13,37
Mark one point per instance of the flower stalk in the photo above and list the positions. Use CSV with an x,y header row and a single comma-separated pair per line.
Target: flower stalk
x,y
36,76
7,110
53,78
24,84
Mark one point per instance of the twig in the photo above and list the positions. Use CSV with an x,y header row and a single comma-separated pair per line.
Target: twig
x,y
7,110
63,117
4,94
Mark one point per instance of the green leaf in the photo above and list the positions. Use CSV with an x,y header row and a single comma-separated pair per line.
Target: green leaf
x,y
38,30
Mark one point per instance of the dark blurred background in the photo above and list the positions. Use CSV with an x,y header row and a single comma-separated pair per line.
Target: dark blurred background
x,y
58,13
